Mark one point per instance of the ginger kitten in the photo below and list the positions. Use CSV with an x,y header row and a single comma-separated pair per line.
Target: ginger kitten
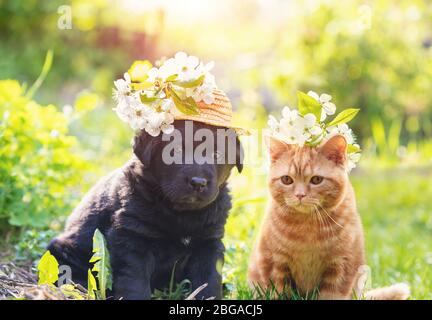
x,y
312,236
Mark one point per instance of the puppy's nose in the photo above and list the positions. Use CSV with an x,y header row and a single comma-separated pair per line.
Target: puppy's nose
x,y
198,183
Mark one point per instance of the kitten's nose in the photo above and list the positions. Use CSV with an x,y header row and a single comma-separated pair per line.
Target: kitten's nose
x,y
300,196
198,183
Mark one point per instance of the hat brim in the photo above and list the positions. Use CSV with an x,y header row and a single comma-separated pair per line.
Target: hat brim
x,y
238,130
218,113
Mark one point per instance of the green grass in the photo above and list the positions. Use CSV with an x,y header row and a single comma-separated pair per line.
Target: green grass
x,y
396,209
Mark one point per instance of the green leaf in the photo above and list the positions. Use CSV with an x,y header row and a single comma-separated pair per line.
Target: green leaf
x,y
70,292
141,85
353,149
307,104
343,117
219,266
45,69
48,269
191,83
102,264
91,285
316,141
171,78
187,106
191,105
148,98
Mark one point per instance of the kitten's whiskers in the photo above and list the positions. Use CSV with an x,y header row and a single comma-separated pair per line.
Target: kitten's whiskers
x,y
319,218
328,215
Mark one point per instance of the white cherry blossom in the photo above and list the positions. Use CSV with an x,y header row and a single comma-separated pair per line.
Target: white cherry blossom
x,y
273,123
353,158
344,130
155,114
309,120
301,129
186,66
289,115
167,104
315,130
293,135
202,93
153,74
122,88
328,108
167,127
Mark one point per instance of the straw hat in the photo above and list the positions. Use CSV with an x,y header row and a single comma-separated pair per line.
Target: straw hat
x,y
219,113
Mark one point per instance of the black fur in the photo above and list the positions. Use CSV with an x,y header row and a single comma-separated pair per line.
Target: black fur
x,y
152,220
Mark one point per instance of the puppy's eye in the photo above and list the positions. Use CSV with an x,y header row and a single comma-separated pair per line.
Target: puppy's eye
x,y
316,179
287,180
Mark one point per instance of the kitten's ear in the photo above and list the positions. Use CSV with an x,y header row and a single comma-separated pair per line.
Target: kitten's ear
x,y
334,149
275,147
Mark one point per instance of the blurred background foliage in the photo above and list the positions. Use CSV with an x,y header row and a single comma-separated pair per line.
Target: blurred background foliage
x,y
36,162
374,55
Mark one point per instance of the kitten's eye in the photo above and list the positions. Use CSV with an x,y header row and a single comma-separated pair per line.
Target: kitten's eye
x,y
287,180
316,179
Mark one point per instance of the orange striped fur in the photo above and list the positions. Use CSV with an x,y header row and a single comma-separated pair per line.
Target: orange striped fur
x,y
315,242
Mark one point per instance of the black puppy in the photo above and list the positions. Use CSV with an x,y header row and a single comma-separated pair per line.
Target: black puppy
x,y
156,215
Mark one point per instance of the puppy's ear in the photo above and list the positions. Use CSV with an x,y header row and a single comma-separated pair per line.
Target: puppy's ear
x,y
239,155
142,147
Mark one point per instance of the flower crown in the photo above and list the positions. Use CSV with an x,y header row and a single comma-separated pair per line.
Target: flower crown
x,y
307,126
149,97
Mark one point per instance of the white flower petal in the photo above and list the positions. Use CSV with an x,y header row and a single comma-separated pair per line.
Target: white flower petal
x,y
355,157
329,108
155,120
325,98
122,86
168,128
310,120
154,132
209,66
210,80
168,69
350,165
167,104
273,123
323,115
314,95
192,62
180,56
152,74
127,77
168,118
316,130
286,112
